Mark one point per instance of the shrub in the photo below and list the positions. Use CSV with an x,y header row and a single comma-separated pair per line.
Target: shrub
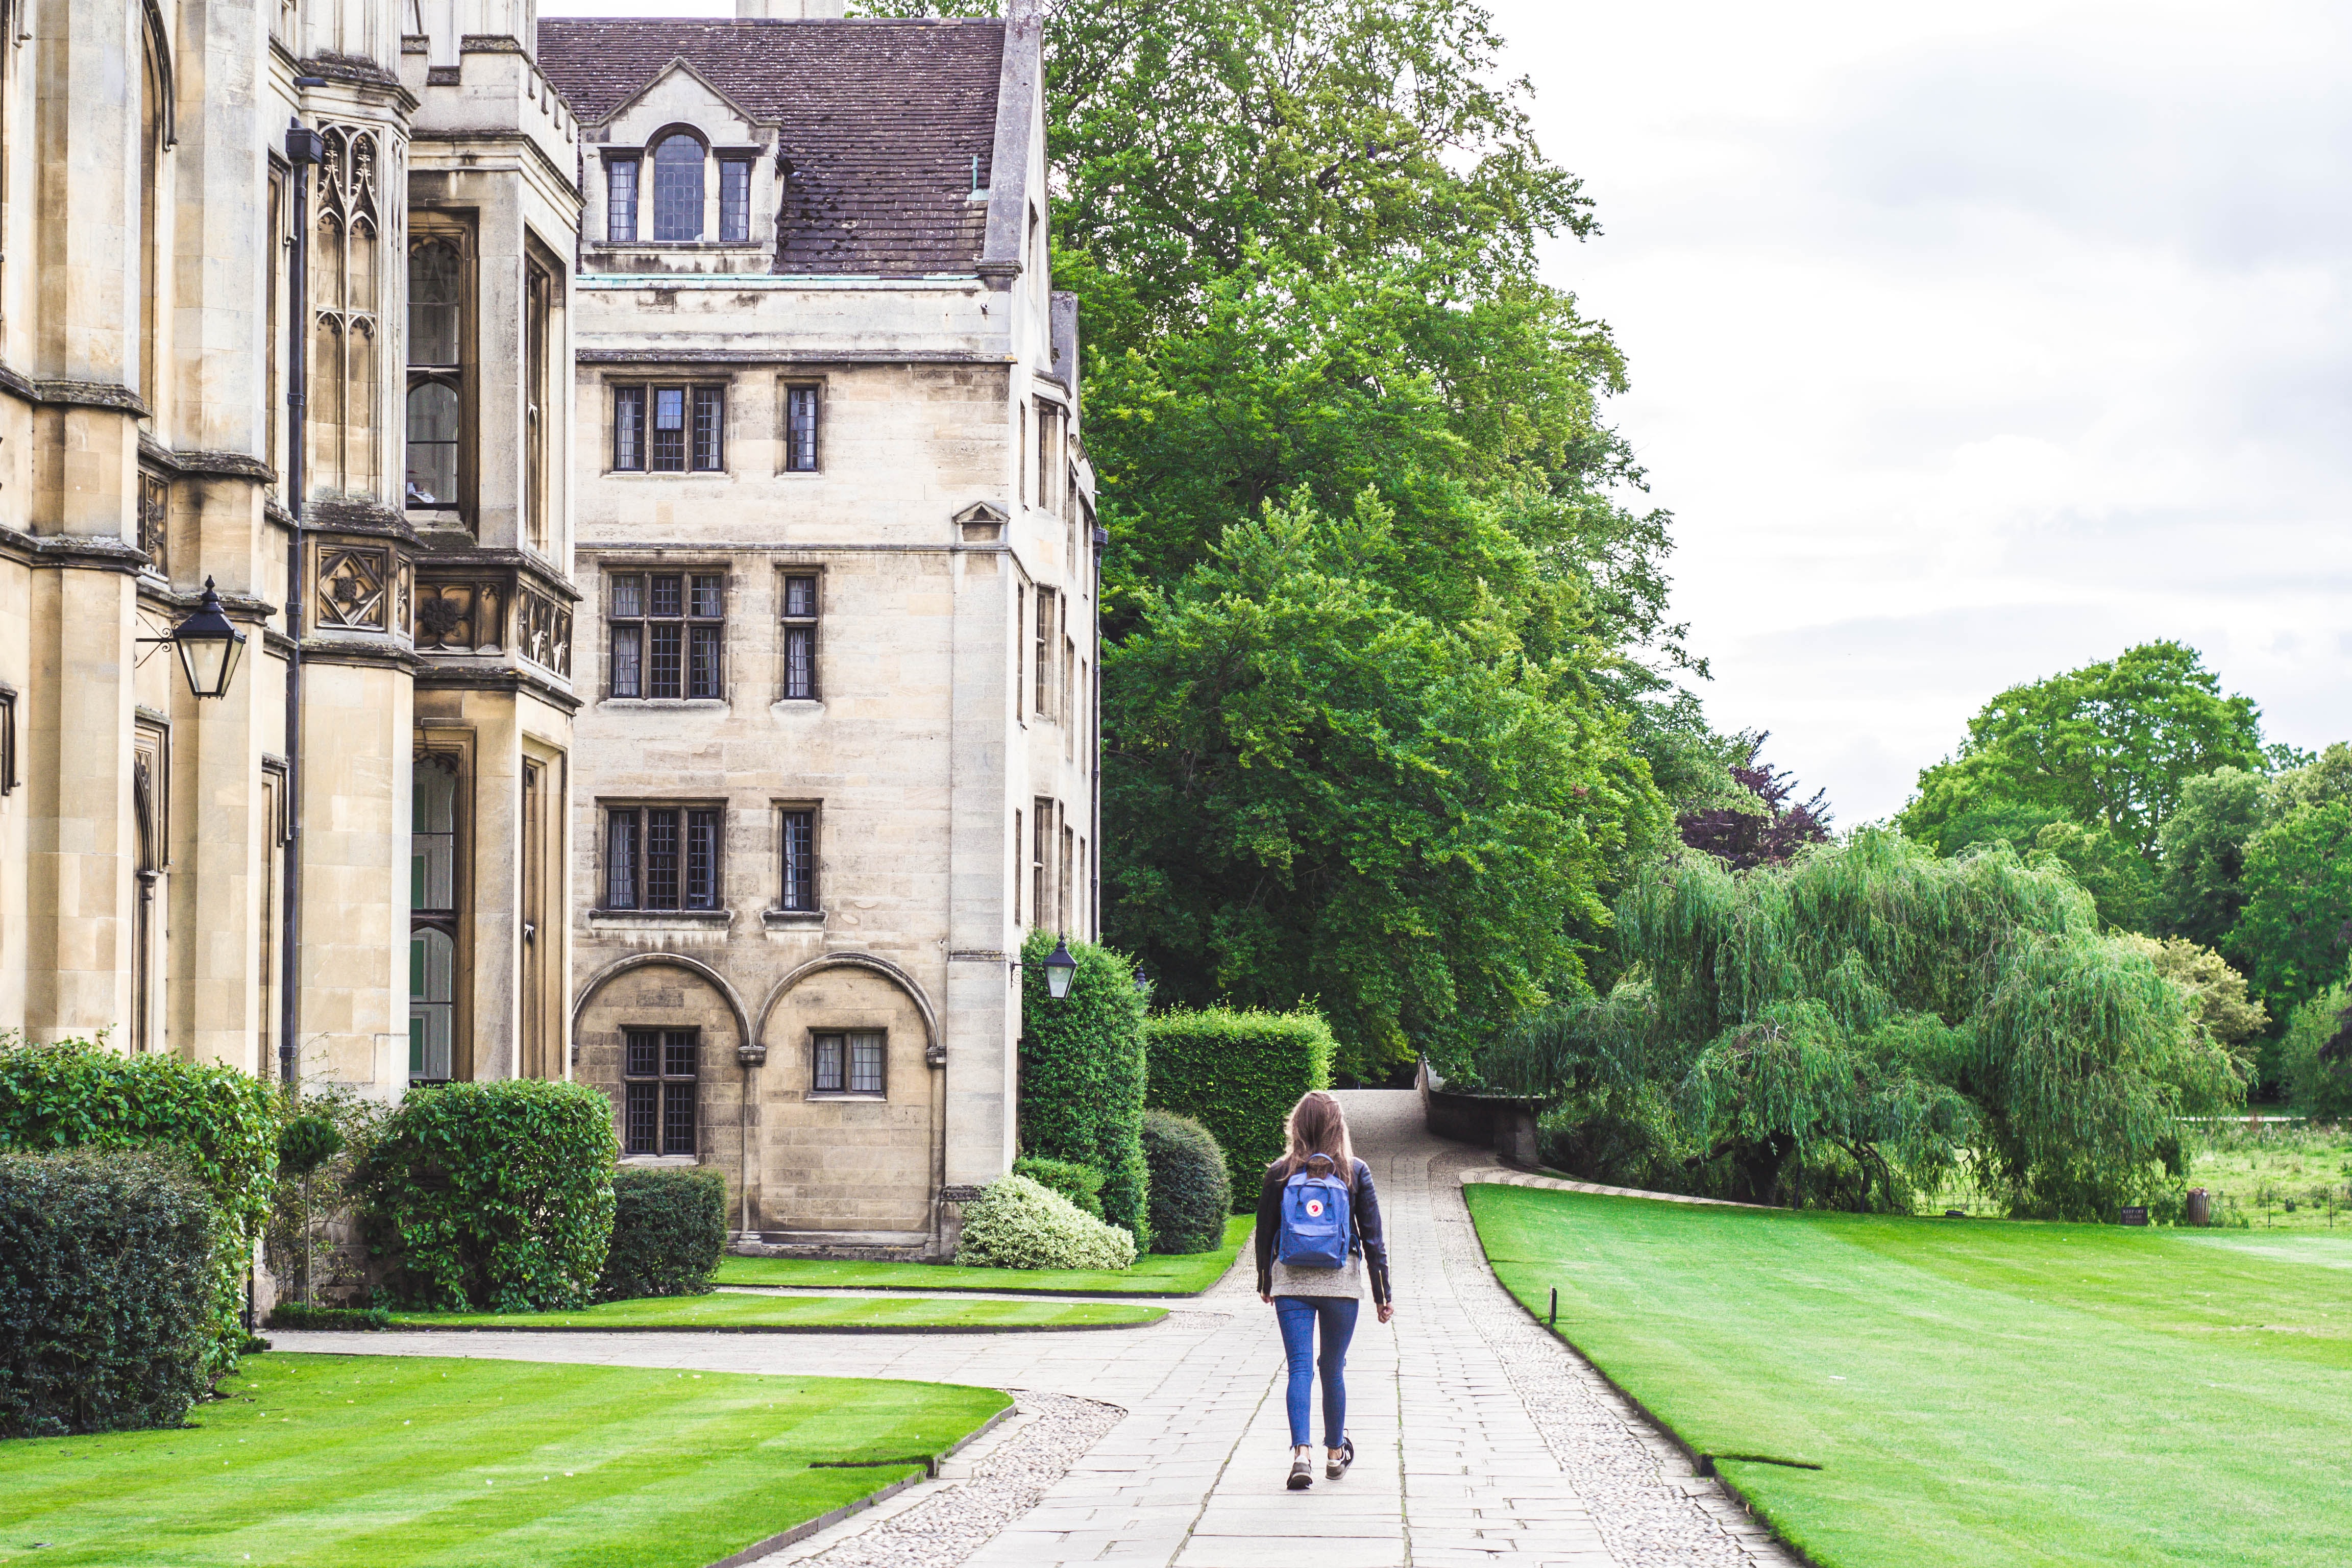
x,y
109,1296
1191,1192
492,1196
333,1127
1082,1074
295,1315
669,1227
1079,1182
2320,1079
1238,1073
219,1122
1018,1224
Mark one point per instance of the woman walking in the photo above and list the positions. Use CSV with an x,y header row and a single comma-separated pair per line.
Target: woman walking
x,y
1319,1234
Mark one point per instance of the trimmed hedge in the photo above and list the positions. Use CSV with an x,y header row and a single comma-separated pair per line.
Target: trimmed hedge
x,y
295,1315
107,1292
1082,1075
491,1197
1191,1192
221,1125
1079,1182
1238,1073
669,1230
1017,1223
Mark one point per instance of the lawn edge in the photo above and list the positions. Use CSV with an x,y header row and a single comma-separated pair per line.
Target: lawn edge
x,y
398,1327
831,1517
1700,1462
1242,1247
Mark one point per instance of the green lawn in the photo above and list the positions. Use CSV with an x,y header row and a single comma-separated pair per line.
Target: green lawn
x,y
734,1310
1155,1274
392,1461
1976,1392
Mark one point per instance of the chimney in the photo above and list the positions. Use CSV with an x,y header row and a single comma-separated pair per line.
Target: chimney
x,y
789,10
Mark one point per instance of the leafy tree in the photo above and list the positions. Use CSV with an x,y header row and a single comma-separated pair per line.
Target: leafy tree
x,y
1767,827
1990,822
2112,743
2317,1055
2217,993
1326,795
2202,848
2116,879
2298,882
1844,1028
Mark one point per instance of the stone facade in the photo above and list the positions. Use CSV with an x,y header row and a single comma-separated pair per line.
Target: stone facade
x,y
395,548
837,650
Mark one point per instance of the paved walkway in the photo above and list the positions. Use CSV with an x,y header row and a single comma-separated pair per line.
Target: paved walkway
x,y
1479,1438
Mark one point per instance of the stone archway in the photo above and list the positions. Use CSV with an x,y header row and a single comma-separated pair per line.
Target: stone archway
x,y
668,993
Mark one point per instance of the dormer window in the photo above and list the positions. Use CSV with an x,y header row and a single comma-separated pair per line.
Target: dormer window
x,y
734,199
677,188
621,200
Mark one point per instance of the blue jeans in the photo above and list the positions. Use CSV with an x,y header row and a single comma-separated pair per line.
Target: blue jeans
x,y
1299,1315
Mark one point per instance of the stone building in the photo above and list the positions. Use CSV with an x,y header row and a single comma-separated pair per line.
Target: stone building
x,y
284,307
838,556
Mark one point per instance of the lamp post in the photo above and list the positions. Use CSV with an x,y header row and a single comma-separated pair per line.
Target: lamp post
x,y
209,647
1059,967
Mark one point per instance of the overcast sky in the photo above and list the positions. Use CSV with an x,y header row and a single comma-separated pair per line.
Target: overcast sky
x,y
1972,343
1969,343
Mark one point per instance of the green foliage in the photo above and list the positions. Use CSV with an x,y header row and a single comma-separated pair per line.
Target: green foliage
x,y
109,1299
222,1123
1238,1071
292,1315
2115,875
1017,1223
496,1197
2319,1079
342,1123
306,1142
2111,744
2298,879
1324,793
1844,1030
1082,1074
1192,1191
1081,1183
1989,822
2216,992
670,1231
2202,845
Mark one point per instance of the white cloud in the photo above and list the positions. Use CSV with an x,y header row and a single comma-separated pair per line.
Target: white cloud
x,y
1968,347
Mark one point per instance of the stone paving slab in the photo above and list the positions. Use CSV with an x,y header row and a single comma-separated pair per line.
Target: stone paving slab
x,y
1480,1438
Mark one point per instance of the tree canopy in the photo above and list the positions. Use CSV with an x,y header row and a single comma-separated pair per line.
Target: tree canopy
x,y
1765,827
2111,744
1843,1029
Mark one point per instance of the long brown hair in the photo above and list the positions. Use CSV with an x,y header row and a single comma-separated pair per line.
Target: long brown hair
x,y
1317,1125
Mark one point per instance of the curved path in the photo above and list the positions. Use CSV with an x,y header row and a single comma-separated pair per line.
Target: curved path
x,y
1479,1438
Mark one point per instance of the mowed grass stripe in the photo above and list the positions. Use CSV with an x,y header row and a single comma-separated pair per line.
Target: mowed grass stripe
x,y
402,1461
1154,1274
1976,1392
731,1311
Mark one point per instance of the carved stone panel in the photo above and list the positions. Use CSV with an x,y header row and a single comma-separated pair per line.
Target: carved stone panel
x,y
461,617
154,519
543,628
355,582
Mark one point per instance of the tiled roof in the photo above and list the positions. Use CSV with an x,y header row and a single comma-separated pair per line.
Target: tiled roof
x,y
881,122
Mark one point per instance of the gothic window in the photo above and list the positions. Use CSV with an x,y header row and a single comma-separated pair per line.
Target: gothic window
x,y
669,629
1040,850
344,329
657,1074
436,318
800,429
669,429
677,188
154,91
735,199
1044,641
621,200
662,858
800,860
800,637
538,307
433,918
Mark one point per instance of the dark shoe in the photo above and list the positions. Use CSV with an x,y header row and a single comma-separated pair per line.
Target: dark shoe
x,y
1302,1475
1334,1469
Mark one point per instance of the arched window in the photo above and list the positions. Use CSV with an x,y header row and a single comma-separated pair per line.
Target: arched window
x,y
436,355
677,188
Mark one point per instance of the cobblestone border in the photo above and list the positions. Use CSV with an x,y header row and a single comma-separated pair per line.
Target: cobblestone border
x,y
1642,1486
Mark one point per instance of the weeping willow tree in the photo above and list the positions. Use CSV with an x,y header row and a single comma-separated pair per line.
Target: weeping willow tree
x,y
1858,1024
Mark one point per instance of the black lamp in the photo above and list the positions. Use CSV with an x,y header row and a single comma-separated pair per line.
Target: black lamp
x,y
1059,967
209,647
1142,982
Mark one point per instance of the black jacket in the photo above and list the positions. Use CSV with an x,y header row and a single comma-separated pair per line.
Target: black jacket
x,y
1363,1208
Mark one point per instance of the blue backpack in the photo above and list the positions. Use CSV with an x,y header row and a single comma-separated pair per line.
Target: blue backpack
x,y
1316,1228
